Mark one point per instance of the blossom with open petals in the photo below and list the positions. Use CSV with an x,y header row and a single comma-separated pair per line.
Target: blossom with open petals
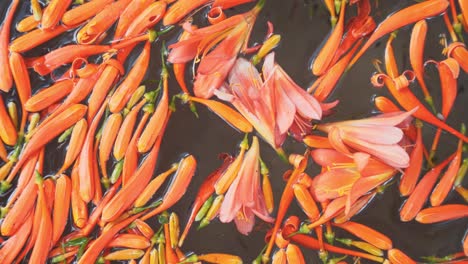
x,y
244,198
378,136
216,48
347,175
274,105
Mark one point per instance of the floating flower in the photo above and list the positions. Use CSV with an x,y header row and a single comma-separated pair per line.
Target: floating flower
x,y
347,175
244,198
216,48
274,105
378,136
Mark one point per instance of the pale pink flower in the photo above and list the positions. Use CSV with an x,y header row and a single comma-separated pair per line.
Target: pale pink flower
x,y
244,198
378,136
274,105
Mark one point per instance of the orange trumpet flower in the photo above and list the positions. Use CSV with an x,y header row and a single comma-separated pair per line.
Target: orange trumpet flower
x,y
8,133
35,38
6,79
367,234
109,133
110,74
130,192
77,139
86,170
418,197
442,213
396,256
48,96
134,77
325,56
126,130
402,18
54,13
13,245
229,36
45,134
178,187
23,83
61,206
133,9
99,24
83,12
42,244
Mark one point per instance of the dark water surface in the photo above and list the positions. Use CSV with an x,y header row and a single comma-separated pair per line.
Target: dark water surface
x,y
303,25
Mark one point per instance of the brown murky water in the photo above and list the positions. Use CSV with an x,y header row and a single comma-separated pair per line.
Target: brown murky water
x,y
303,25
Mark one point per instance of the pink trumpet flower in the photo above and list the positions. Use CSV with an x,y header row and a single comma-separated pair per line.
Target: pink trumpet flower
x,y
274,105
215,48
347,175
244,198
378,136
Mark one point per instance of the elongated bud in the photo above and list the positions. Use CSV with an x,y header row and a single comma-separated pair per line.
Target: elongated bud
x,y
154,256
161,254
204,209
266,187
223,183
319,142
4,170
461,173
131,241
124,254
117,171
136,96
213,212
231,116
219,258
65,135
13,112
34,122
144,228
368,248
76,242
271,43
174,229
36,9
306,201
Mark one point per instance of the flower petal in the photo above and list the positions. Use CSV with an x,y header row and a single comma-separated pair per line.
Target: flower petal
x,y
231,204
336,141
361,160
386,135
393,155
184,51
245,221
388,119
283,107
363,185
205,84
334,183
306,105
250,174
328,157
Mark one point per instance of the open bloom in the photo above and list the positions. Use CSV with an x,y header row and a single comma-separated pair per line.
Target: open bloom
x,y
229,37
347,175
244,198
274,105
378,136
